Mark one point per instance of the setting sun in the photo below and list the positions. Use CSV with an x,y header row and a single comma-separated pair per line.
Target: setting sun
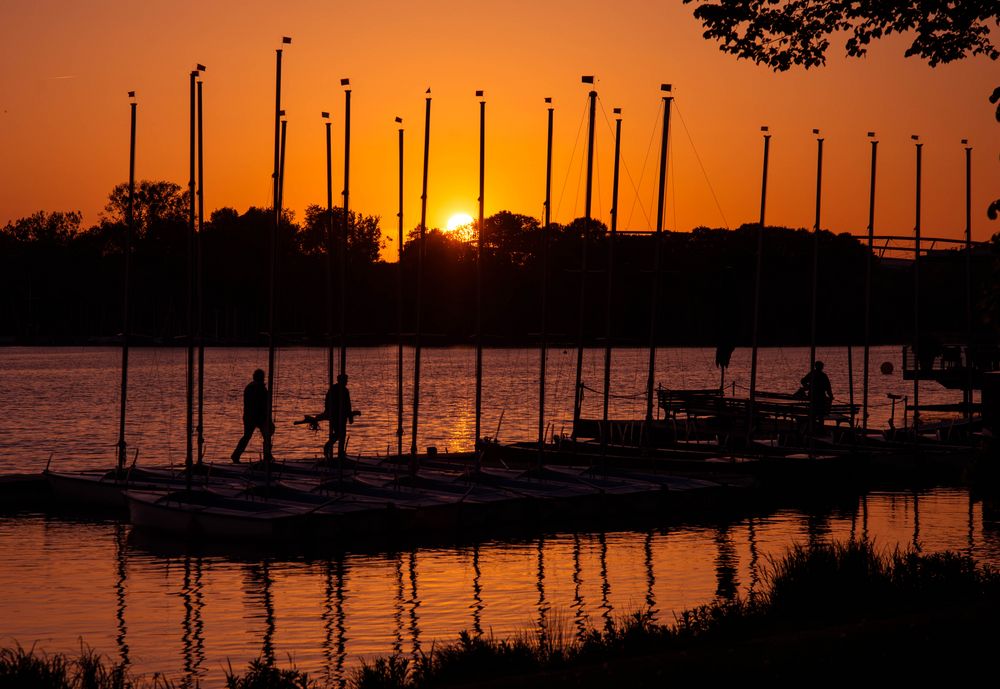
x,y
458,221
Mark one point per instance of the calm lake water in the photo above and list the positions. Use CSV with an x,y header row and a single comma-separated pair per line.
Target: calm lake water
x,y
63,402
189,615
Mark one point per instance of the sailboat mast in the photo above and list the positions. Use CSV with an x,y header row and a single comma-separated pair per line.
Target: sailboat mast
x,y
756,282
815,266
329,266
189,338
657,247
868,284
344,231
584,241
327,126
272,265
129,230
543,339
479,271
399,304
968,279
281,163
420,280
815,252
200,268
345,227
916,284
611,277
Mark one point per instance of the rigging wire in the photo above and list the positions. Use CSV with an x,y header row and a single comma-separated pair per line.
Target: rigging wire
x,y
597,175
704,172
642,174
579,183
569,168
672,179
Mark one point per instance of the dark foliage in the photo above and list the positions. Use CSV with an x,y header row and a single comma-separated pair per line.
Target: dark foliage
x,y
826,584
264,674
61,283
785,33
322,229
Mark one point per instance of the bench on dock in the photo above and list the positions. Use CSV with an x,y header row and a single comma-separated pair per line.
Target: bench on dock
x,y
776,412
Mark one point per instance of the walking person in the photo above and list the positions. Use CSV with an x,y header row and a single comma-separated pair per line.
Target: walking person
x,y
337,410
255,405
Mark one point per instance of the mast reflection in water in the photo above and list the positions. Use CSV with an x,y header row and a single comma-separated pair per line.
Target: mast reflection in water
x,y
182,614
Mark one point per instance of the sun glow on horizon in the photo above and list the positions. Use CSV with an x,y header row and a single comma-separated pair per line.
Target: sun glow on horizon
x,y
458,221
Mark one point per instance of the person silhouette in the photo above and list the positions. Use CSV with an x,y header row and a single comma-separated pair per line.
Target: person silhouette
x,y
337,410
818,390
255,408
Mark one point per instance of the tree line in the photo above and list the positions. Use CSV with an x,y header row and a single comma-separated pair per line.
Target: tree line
x,y
61,282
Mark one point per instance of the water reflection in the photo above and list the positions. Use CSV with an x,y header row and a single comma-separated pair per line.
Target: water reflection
x,y
257,579
990,526
864,517
647,549
405,601
193,635
972,528
122,572
543,604
414,603
477,593
334,627
605,606
726,562
754,558
579,605
340,624
399,604
817,528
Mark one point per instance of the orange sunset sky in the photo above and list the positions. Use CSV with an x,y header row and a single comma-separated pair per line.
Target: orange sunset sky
x,y
68,67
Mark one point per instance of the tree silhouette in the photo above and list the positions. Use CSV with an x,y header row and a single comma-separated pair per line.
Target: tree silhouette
x,y
364,235
44,228
785,33
994,210
60,283
155,203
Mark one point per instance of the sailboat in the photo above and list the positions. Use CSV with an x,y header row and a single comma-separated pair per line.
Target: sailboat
x,y
102,488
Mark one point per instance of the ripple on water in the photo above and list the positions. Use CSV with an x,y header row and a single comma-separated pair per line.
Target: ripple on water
x,y
188,616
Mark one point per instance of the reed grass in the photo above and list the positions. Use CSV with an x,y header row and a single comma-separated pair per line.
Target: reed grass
x,y
818,585
264,674
815,585
21,667
29,668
